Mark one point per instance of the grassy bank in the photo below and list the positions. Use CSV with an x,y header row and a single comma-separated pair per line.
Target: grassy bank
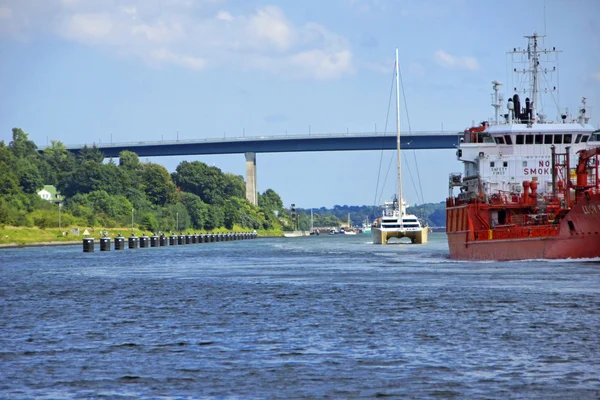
x,y
15,235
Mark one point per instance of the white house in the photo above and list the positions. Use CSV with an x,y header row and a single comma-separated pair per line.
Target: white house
x,y
48,193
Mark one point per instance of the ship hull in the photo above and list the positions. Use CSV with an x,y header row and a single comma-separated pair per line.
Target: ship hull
x,y
578,237
581,246
381,236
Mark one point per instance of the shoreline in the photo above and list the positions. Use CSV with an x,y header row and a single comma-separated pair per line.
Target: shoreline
x,y
37,244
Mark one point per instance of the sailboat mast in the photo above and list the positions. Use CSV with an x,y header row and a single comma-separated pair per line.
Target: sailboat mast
x,y
398,135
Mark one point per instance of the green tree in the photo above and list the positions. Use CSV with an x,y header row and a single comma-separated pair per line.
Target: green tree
x,y
60,163
196,208
90,154
21,146
270,201
157,184
30,180
201,180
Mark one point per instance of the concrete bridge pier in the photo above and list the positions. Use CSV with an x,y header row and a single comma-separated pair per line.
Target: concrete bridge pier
x,y
251,190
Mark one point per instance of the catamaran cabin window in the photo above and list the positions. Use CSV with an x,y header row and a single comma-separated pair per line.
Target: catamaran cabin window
x,y
539,139
499,140
547,139
557,139
584,139
508,139
578,138
528,139
568,138
520,139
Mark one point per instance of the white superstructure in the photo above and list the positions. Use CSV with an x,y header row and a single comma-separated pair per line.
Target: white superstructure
x,y
517,145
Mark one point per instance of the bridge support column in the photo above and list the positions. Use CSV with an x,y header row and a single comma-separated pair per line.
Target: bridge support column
x,y
251,194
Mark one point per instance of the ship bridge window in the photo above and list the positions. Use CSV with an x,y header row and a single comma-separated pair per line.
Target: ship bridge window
x,y
505,164
492,164
524,163
584,139
568,138
578,138
595,137
539,139
529,139
557,139
508,139
547,139
499,140
520,139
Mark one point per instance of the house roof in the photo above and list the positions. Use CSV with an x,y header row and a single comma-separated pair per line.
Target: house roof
x,y
50,189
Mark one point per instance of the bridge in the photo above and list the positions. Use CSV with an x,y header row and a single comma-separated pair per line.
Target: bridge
x,y
278,144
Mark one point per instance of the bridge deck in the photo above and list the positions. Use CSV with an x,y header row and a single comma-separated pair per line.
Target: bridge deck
x,y
280,144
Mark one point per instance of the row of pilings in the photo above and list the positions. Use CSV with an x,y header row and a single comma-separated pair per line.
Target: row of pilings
x,y
134,242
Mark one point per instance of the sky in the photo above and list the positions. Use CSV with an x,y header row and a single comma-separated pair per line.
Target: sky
x,y
96,71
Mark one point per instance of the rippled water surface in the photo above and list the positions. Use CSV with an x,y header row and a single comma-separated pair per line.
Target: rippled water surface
x,y
327,316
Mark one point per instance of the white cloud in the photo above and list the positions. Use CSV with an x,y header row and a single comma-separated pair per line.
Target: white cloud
x,y
224,16
89,26
326,65
190,34
271,25
164,55
449,60
5,13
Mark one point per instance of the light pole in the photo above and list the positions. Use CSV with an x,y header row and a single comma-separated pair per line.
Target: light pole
x,y
59,205
177,223
132,230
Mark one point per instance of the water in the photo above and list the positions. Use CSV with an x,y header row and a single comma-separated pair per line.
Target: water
x,y
326,316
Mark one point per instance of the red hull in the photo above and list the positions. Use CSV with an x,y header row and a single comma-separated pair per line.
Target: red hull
x,y
578,237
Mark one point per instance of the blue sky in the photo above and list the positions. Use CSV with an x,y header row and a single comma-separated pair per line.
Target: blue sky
x,y
84,71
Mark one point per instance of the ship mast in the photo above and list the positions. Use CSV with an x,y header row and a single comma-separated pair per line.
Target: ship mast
x,y
533,62
400,205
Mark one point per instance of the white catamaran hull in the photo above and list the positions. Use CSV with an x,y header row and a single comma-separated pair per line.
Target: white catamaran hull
x,y
381,236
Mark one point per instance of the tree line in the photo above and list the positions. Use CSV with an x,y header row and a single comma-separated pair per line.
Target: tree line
x,y
115,193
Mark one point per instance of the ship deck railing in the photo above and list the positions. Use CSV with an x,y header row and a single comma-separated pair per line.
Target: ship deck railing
x,y
517,232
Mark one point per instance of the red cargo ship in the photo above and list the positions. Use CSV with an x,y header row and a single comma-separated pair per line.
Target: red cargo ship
x,y
530,188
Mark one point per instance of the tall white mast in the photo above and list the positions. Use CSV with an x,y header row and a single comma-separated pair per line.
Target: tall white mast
x,y
533,62
400,206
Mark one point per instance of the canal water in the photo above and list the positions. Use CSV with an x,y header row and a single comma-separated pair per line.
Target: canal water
x,y
311,317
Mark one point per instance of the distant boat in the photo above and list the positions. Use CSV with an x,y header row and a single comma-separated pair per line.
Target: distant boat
x,y
312,225
366,227
349,230
395,222
294,234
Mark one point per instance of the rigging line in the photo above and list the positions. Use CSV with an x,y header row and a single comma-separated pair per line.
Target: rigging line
x,y
384,132
410,131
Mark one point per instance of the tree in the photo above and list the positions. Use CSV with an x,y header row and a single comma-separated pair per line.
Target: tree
x,y
30,180
201,180
270,201
157,184
21,146
129,160
90,154
60,163
196,208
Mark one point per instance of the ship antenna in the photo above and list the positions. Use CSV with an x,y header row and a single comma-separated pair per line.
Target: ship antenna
x,y
533,69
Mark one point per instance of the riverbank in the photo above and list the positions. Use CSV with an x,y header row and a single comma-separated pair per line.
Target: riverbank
x,y
17,236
